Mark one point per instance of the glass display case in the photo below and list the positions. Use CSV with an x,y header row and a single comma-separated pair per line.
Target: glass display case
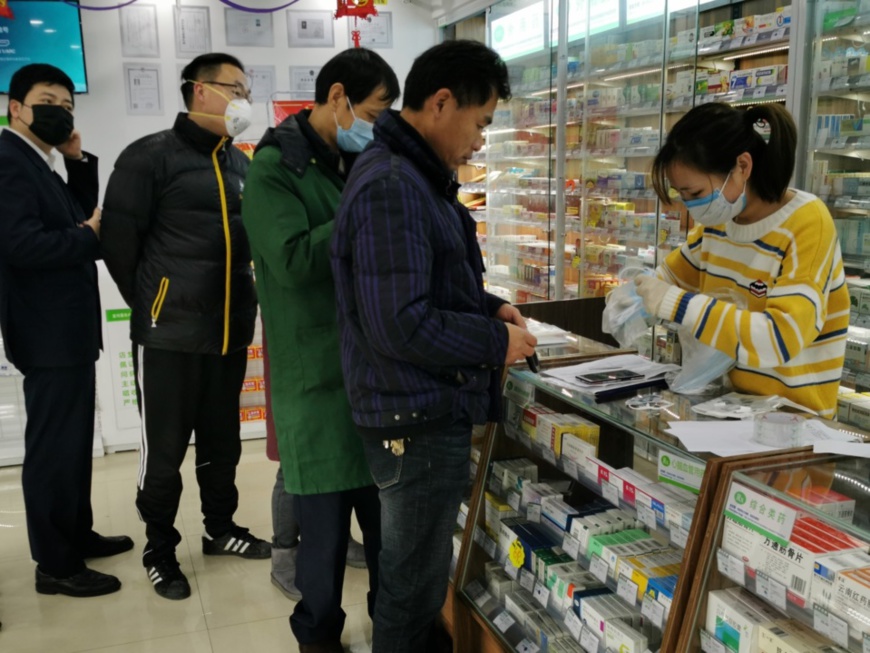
x,y
838,165
787,567
564,175
583,523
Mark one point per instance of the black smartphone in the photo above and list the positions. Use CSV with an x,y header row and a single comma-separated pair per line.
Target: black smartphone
x,y
610,376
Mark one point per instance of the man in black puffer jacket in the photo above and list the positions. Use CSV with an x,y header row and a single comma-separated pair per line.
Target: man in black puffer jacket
x,y
174,243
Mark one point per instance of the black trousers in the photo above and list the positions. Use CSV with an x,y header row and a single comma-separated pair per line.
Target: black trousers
x,y
56,475
324,522
179,394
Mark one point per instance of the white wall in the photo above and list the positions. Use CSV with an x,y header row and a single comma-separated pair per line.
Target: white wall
x,y
101,114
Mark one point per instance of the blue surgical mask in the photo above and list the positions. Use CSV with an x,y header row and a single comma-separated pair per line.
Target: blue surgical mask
x,y
360,134
714,208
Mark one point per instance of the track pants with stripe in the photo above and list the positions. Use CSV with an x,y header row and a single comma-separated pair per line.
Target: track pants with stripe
x,y
182,394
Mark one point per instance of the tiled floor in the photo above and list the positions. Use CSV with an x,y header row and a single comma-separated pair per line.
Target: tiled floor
x,y
233,607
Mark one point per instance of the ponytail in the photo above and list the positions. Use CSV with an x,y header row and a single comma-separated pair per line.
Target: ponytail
x,y
710,137
772,158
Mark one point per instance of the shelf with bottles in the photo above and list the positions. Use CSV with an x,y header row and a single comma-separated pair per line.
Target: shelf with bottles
x,y
788,560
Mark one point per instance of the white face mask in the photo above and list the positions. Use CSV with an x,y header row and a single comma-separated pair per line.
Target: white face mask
x,y
237,115
714,209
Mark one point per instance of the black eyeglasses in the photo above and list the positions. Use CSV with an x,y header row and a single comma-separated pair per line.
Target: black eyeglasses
x,y
239,91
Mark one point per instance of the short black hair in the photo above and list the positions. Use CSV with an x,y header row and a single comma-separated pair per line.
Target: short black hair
x,y
710,137
361,72
26,77
469,69
203,69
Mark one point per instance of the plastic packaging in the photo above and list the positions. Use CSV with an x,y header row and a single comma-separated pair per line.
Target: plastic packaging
x,y
701,364
624,316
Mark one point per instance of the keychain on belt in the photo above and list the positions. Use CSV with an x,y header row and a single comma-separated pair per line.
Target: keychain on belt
x,y
397,446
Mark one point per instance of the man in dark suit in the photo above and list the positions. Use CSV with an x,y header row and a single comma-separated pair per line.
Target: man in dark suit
x,y
50,319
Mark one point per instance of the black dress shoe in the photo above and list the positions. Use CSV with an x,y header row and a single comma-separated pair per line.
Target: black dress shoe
x,y
105,546
85,583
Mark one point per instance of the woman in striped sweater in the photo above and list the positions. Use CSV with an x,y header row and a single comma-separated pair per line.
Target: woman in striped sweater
x,y
774,246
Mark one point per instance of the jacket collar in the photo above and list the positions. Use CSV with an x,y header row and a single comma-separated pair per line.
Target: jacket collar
x,y
301,145
402,138
201,139
27,148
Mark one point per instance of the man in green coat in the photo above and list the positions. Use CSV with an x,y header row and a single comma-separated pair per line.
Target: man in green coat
x,y
292,190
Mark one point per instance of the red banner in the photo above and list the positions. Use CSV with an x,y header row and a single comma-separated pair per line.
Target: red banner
x,y
282,109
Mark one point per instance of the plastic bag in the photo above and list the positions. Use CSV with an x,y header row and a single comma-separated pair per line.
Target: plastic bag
x,y
701,363
624,316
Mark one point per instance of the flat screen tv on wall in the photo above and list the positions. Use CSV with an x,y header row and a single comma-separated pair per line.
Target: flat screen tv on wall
x,y
41,31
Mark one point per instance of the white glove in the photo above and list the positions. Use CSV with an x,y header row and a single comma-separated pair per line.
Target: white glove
x,y
652,290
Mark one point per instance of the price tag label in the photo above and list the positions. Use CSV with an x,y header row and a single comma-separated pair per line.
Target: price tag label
x,y
824,83
830,625
533,513
573,624
778,35
678,102
489,546
589,640
737,95
599,568
542,594
679,536
840,83
750,40
610,492
481,599
646,515
760,92
527,646
549,456
571,468
863,80
840,142
782,91
627,590
510,570
731,567
571,546
866,647
710,644
504,621
525,440
527,580
494,485
653,610
479,535
771,590
514,500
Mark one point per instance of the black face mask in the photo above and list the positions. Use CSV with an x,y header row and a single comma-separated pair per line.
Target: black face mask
x,y
52,124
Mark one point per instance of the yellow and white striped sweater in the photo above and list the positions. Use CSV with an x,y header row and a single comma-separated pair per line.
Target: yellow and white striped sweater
x,y
791,339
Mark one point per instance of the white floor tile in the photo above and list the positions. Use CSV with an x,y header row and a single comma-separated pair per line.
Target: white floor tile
x,y
233,605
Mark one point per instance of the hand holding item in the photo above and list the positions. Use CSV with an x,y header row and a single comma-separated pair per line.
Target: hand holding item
x,y
510,314
72,149
652,290
521,344
94,221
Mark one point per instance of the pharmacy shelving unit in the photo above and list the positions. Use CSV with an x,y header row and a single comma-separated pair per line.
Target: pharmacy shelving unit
x,y
838,166
596,85
785,565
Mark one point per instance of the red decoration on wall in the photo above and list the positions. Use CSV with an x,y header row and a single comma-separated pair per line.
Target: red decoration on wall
x,y
357,9
6,10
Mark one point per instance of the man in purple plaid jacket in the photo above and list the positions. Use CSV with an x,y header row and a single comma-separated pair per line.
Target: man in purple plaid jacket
x,y
422,341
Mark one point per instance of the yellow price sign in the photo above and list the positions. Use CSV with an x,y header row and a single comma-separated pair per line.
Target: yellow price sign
x,y
517,554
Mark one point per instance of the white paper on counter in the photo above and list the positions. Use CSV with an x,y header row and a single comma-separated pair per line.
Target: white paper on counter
x,y
731,438
860,449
